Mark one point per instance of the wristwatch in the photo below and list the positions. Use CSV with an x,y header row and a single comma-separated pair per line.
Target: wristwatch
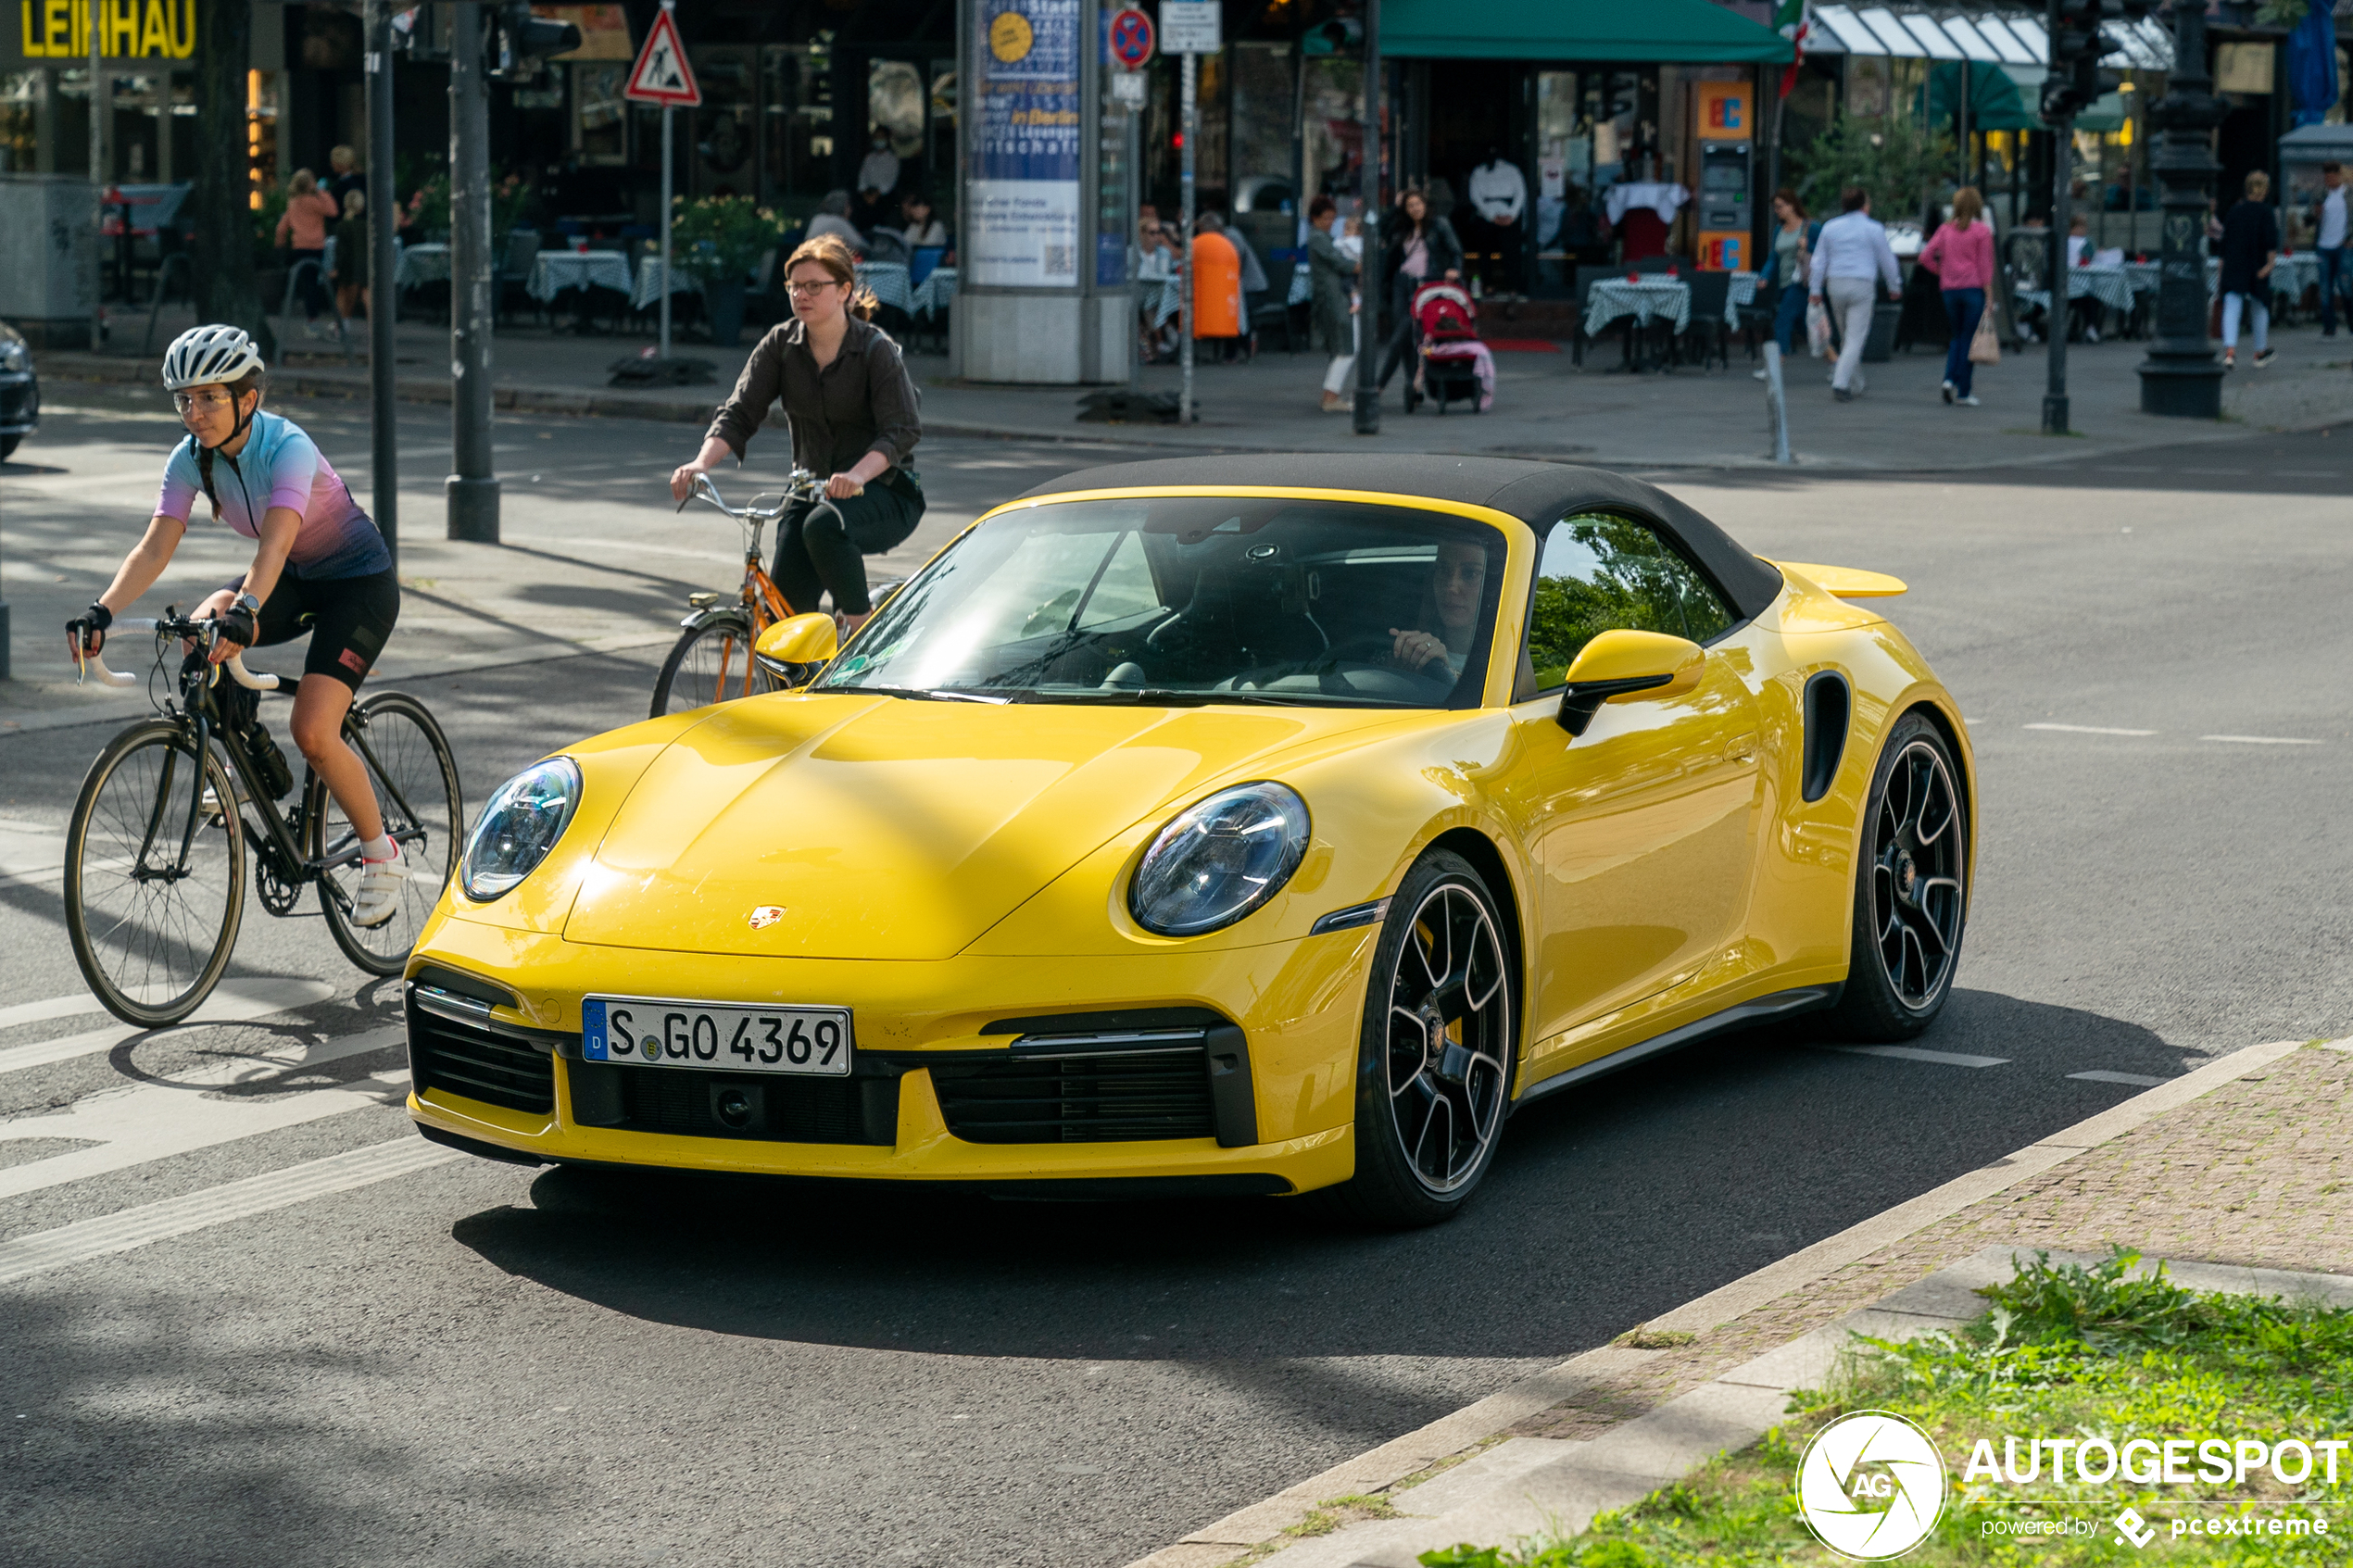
x,y
247,603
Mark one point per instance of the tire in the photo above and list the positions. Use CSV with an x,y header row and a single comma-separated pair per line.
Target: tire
x,y
152,949
1911,889
711,663
407,760
1421,1075
8,446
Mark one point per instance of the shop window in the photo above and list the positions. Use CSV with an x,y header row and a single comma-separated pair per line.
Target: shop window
x,y
724,144
1333,93
600,114
19,117
1263,190
796,124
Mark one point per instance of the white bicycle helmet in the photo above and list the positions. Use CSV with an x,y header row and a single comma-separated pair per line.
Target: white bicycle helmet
x,y
208,356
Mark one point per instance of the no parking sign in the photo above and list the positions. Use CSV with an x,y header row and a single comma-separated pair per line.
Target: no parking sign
x,y
1131,38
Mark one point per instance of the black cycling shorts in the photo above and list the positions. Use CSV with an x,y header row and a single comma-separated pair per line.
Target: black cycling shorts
x,y
347,620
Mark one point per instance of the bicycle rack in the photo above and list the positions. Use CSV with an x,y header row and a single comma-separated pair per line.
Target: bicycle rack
x,y
155,306
286,310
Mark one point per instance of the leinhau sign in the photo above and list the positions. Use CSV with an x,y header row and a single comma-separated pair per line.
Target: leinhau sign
x,y
129,30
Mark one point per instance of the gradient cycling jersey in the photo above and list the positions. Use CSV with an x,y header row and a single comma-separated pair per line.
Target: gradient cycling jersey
x,y
281,466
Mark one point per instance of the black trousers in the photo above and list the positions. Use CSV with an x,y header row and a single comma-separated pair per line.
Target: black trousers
x,y
822,548
1403,336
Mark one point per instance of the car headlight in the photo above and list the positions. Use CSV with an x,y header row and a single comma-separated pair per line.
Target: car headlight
x,y
520,825
16,355
1219,860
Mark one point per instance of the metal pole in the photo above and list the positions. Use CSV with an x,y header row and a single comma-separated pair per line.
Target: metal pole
x,y
2180,376
473,489
1184,248
382,282
1777,401
1364,419
2062,171
101,166
668,115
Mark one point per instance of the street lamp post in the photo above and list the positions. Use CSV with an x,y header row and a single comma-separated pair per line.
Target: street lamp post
x,y
473,489
1370,284
2180,377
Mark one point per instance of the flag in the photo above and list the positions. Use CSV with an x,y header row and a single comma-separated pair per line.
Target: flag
x,y
1794,20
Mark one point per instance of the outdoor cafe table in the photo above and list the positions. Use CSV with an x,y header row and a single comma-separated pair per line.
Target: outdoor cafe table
x,y
886,280
553,272
1651,297
650,276
1743,291
934,293
421,264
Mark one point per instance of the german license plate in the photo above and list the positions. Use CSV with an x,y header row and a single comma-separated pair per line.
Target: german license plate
x,y
655,1032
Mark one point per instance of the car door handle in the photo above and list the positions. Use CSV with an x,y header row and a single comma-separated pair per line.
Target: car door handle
x,y
1742,750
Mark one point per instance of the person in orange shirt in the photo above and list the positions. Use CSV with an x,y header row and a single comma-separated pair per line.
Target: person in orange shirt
x,y
1217,280
308,211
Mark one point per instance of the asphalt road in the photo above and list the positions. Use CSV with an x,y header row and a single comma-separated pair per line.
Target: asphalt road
x,y
474,1364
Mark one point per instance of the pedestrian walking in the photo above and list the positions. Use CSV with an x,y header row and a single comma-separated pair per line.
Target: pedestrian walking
x,y
1785,268
2329,226
303,228
1421,248
1961,255
351,256
1331,312
2250,248
1850,258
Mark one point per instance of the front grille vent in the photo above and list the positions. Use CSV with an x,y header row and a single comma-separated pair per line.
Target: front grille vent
x,y
1075,1090
479,1060
770,1107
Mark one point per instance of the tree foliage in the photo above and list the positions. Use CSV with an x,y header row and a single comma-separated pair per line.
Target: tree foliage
x,y
1892,157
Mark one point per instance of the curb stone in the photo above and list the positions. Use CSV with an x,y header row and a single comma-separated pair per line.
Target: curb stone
x,y
1403,1457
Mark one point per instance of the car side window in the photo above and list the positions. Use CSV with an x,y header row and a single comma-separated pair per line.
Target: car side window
x,y
1602,573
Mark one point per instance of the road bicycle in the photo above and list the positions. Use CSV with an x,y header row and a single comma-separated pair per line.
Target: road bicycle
x,y
712,659
156,854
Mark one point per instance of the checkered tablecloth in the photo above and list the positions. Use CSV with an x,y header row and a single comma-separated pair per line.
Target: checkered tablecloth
x,y
1743,291
2112,286
421,264
1172,299
2291,274
647,290
934,293
552,271
886,280
1653,299
1302,284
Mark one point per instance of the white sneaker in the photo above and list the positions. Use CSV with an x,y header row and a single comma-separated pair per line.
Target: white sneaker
x,y
2091,334
1758,374
379,883
1966,400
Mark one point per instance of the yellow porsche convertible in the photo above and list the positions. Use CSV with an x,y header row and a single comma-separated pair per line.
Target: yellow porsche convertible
x,y
1247,824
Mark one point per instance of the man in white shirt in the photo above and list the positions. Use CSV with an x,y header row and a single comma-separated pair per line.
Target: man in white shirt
x,y
1850,258
1498,194
2328,218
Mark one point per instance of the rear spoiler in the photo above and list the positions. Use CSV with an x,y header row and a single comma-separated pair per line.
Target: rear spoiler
x,y
1847,582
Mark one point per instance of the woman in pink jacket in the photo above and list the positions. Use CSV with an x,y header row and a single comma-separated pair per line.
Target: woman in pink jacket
x,y
308,211
1961,255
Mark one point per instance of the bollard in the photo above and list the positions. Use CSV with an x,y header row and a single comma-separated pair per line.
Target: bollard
x,y
1777,404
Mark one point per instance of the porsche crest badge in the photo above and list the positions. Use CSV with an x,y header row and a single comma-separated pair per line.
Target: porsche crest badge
x,y
766,915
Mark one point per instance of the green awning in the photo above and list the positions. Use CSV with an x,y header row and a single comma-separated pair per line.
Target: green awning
x,y
1681,31
1995,102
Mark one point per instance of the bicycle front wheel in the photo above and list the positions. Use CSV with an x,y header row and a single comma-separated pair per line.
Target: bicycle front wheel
x,y
416,782
154,875
711,663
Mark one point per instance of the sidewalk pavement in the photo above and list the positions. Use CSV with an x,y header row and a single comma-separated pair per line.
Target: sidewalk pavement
x,y
2247,1163
1546,406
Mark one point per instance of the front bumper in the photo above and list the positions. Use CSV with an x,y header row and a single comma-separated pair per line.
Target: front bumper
x,y
19,402
933,1041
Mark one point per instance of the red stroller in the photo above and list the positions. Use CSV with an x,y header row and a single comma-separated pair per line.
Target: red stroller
x,y
1455,365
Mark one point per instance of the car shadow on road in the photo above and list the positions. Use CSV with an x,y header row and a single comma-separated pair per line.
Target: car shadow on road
x,y
1610,1204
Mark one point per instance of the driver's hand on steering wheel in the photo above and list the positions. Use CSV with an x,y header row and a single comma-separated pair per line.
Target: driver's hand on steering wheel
x,y
1414,650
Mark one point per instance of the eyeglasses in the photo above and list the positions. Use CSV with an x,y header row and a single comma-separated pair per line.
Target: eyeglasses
x,y
805,291
210,402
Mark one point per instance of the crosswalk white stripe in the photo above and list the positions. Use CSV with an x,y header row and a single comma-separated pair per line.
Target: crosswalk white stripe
x,y
237,1001
2089,730
137,1227
2102,1076
1914,1053
53,1007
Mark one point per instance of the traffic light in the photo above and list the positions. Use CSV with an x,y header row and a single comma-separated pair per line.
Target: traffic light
x,y
2078,44
524,40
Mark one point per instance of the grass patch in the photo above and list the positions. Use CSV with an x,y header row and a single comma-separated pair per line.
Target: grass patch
x,y
1641,1337
2064,1351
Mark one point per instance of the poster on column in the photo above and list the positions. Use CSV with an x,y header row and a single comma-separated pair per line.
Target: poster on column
x,y
1022,217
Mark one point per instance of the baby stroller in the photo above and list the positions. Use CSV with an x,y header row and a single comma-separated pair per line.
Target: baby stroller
x,y
1455,365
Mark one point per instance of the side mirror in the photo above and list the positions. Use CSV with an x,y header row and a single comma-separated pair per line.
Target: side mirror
x,y
1621,664
793,648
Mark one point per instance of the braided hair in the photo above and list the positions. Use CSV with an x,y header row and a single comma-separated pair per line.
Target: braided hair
x,y
237,388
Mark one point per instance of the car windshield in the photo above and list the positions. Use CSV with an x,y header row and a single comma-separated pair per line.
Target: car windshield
x,y
1195,599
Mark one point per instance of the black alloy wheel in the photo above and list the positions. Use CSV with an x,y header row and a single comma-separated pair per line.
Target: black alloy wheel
x,y
1434,1066
1911,896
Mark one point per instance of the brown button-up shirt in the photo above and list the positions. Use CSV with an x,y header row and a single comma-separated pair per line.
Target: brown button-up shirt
x,y
864,402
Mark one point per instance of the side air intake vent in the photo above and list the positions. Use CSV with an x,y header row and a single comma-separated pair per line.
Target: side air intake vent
x,y
1829,705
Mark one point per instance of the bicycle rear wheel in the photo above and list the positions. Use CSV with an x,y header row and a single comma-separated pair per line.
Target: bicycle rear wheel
x,y
416,782
153,908
711,663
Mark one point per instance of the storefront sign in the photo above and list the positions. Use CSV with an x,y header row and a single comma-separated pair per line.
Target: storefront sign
x,y
1024,194
132,29
604,31
1191,27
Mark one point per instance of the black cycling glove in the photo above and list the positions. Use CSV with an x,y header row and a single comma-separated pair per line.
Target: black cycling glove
x,y
236,625
88,630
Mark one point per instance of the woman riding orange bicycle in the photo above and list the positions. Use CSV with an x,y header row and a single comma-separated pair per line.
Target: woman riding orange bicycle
x,y
853,413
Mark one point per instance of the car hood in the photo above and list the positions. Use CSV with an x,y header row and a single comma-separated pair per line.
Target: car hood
x,y
868,827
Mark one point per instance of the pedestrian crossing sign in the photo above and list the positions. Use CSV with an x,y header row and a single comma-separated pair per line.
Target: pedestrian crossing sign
x,y
661,75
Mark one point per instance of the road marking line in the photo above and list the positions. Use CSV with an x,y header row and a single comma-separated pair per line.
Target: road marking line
x,y
2104,1076
132,1228
237,1001
55,1007
156,1120
2090,730
2307,473
2264,740
1914,1053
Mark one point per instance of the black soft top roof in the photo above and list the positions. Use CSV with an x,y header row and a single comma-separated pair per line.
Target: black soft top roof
x,y
1538,494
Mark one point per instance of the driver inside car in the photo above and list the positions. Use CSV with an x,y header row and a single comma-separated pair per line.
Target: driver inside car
x,y
1449,621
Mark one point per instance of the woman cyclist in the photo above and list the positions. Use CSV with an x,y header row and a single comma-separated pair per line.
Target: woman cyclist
x,y
851,406
320,568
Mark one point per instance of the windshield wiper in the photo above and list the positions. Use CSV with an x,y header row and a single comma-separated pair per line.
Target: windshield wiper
x,y
931,694
1161,696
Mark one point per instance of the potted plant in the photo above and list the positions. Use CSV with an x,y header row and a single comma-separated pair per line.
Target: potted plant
x,y
719,240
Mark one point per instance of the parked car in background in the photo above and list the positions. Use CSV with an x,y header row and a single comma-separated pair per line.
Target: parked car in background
x,y
19,390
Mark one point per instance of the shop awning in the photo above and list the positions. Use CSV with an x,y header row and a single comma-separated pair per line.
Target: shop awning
x,y
1990,37
1678,32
